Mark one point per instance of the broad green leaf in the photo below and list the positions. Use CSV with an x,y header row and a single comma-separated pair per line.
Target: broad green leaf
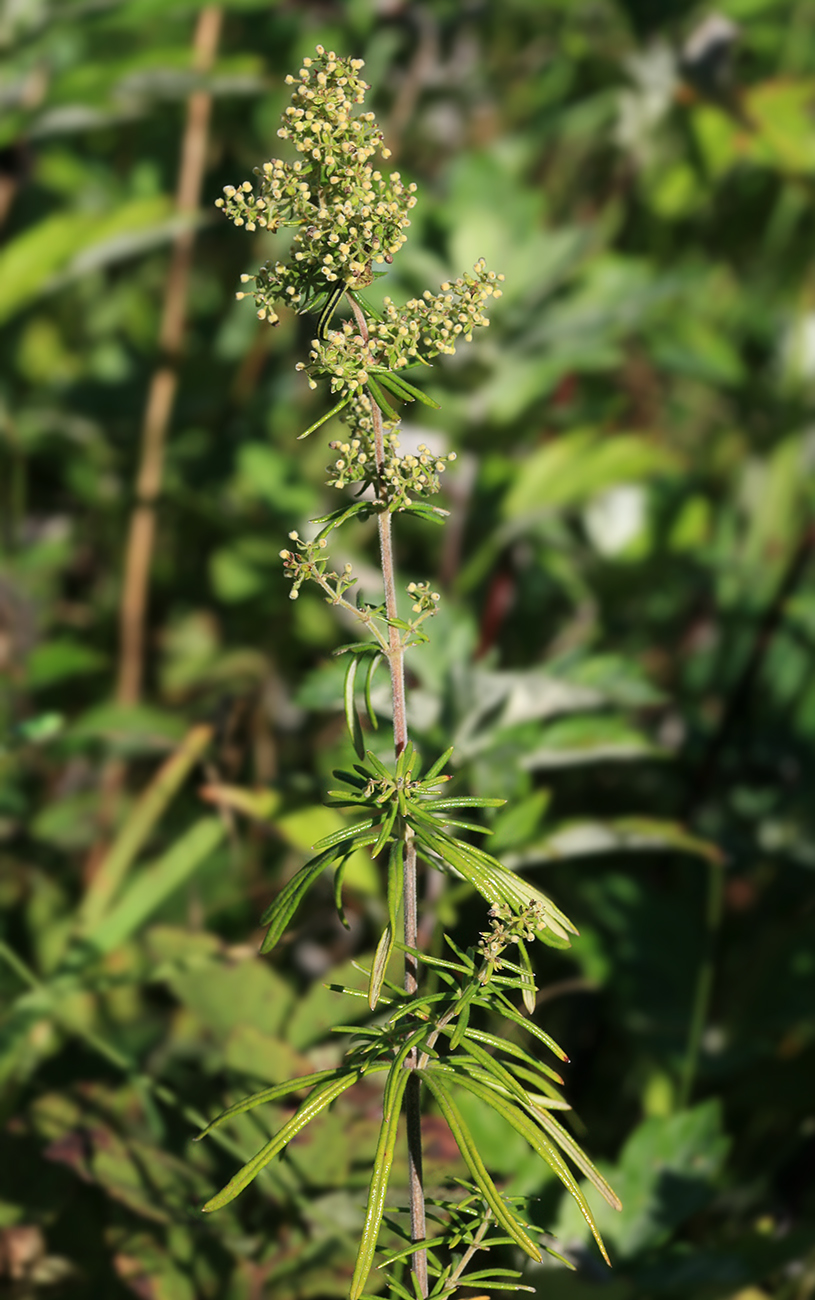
x,y
70,243
619,835
213,991
571,469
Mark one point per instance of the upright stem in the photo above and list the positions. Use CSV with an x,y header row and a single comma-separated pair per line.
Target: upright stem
x,y
396,661
161,397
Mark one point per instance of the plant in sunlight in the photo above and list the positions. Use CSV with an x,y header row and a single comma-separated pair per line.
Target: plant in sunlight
x,y
425,1034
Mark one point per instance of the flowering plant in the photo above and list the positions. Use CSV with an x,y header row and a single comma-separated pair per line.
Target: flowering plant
x,y
348,218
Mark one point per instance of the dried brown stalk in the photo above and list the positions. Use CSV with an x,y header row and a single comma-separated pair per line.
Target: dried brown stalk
x,y
161,397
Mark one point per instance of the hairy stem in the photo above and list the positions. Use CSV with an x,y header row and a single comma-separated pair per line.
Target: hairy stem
x,y
396,661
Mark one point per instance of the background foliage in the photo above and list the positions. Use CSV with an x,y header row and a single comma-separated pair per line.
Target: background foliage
x,y
627,629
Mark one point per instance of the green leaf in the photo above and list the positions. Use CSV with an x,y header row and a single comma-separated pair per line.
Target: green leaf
x,y
396,884
431,514
342,836
154,885
441,1089
617,835
335,410
463,801
382,956
395,381
280,912
667,1171
339,875
381,400
529,990
438,766
315,1103
509,1011
512,1049
567,1143
59,660
112,870
351,715
386,829
397,1081
373,664
70,243
575,466
523,1125
266,1095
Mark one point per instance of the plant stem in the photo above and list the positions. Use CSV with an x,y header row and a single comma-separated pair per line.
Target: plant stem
x,y
396,662
161,397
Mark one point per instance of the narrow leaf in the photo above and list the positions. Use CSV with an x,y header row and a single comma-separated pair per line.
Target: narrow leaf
x,y
567,1143
438,766
339,875
411,391
382,956
335,410
395,1086
387,827
381,400
278,915
351,715
339,837
529,990
319,1100
523,1125
441,1090
274,1093
374,663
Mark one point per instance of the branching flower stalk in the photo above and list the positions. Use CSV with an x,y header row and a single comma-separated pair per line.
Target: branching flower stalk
x,y
347,218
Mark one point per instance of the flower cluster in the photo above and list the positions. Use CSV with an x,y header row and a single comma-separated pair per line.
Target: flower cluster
x,y
423,328
508,927
402,476
347,215
434,323
307,563
425,601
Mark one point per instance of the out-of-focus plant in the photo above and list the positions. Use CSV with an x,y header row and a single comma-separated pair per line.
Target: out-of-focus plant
x,y
347,218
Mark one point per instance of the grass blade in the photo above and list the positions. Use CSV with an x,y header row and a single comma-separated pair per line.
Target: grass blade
x,y
138,826
154,884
